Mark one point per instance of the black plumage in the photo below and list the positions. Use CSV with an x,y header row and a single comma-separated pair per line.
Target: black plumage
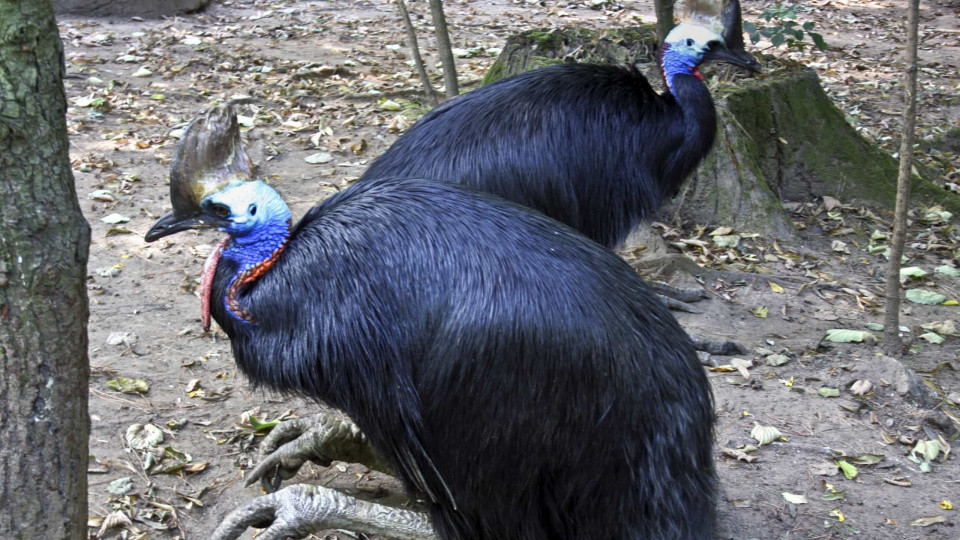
x,y
521,376
592,146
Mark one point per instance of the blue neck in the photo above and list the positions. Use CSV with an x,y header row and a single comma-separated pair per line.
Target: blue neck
x,y
255,253
673,64
258,246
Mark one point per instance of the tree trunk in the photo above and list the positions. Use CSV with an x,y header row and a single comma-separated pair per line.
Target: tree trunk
x,y
664,11
891,318
445,49
428,89
43,301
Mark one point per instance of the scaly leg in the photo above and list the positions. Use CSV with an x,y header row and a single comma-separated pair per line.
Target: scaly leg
x,y
302,509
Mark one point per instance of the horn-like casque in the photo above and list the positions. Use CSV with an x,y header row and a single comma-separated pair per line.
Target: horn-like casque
x,y
209,156
723,17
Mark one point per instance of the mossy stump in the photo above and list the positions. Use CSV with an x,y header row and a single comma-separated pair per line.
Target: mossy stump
x,y
779,138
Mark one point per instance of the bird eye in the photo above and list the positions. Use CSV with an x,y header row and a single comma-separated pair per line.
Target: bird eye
x,y
689,42
221,210
252,210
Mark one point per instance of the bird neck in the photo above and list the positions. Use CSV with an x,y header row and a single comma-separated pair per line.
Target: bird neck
x,y
673,63
255,254
699,128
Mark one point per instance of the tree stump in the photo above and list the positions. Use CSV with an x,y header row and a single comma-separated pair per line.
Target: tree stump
x,y
779,138
142,8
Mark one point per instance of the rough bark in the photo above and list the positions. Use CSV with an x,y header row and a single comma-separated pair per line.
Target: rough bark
x,y
779,138
43,302
428,90
444,49
115,8
891,319
664,11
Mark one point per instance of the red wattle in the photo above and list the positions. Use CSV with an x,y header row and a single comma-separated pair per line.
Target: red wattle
x,y
206,280
696,73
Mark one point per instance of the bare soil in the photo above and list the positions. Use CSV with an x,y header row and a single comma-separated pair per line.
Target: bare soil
x,y
325,70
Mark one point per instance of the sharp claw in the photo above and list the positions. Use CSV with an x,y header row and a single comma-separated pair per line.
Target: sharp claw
x,y
271,483
258,513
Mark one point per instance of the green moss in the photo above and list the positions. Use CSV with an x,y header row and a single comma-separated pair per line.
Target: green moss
x,y
495,73
537,48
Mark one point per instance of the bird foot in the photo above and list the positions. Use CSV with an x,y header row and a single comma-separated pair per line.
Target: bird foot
x,y
321,438
300,510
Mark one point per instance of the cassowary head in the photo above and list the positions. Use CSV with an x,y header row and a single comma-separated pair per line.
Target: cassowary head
x,y
248,211
209,157
709,34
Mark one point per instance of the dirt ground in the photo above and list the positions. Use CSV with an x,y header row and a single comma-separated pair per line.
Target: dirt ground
x,y
336,76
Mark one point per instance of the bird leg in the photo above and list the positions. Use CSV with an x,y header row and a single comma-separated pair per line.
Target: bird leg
x,y
300,510
321,438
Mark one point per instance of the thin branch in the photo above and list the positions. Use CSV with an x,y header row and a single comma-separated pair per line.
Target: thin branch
x,y
429,91
444,48
892,344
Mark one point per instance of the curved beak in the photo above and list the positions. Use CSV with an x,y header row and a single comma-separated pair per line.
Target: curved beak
x,y
736,57
735,52
171,223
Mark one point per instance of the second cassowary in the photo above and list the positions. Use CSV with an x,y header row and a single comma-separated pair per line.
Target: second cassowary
x,y
592,146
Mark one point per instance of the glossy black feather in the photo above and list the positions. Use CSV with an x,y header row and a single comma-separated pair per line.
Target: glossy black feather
x,y
519,374
592,146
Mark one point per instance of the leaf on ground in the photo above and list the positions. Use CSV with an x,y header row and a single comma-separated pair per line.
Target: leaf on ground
x,y
947,271
742,366
794,498
738,455
390,105
827,392
839,247
866,459
829,203
899,481
776,288
912,272
777,359
143,436
128,386
834,495
319,157
843,335
849,470
946,504
877,327
114,219
861,387
759,312
727,241
927,521
120,486
932,337
765,434
944,328
929,450
929,298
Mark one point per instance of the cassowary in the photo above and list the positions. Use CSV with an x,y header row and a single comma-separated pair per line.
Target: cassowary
x,y
592,146
520,378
